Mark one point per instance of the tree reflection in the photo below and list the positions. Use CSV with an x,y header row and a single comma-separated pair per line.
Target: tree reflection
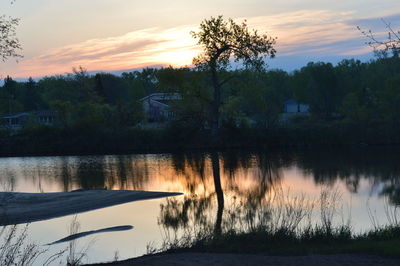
x,y
91,173
218,191
210,180
120,172
379,166
66,175
7,183
221,198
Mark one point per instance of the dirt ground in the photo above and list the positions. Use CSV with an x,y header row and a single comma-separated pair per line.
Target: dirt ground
x,y
211,259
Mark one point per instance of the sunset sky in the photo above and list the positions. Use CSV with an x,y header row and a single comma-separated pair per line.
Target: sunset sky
x,y
115,35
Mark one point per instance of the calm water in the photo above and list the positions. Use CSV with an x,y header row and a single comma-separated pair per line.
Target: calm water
x,y
221,191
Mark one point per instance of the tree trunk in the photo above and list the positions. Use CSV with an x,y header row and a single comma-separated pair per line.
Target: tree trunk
x,y
219,192
216,104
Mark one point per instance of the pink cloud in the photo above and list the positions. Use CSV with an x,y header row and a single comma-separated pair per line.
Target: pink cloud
x,y
305,31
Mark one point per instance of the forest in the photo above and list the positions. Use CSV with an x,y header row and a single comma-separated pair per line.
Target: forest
x,y
352,102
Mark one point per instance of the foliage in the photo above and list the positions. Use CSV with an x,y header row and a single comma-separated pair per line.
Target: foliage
x,y
9,44
350,103
382,47
14,250
284,225
223,41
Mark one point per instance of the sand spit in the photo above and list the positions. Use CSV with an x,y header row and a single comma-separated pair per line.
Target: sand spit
x,y
17,208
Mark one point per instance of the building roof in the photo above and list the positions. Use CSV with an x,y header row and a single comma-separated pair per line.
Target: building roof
x,y
37,113
46,113
161,96
294,102
159,102
291,101
11,116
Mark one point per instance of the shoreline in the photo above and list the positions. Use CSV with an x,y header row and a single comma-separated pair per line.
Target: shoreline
x,y
291,148
210,259
61,142
18,207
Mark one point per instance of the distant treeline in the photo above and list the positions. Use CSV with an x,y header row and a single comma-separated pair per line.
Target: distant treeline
x,y
350,103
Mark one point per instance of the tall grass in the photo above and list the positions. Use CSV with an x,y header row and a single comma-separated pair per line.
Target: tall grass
x,y
15,249
287,223
76,255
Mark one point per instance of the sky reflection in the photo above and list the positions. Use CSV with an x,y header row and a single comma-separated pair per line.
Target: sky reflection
x,y
254,185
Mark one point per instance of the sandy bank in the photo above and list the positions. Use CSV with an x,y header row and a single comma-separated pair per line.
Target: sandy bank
x,y
16,208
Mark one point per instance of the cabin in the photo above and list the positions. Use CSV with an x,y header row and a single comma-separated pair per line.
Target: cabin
x,y
46,117
17,121
157,106
292,106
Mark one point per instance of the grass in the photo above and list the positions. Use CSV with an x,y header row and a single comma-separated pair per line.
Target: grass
x,y
282,243
76,256
289,228
13,250
16,250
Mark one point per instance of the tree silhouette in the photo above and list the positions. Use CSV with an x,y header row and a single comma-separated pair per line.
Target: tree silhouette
x,y
382,47
9,44
225,40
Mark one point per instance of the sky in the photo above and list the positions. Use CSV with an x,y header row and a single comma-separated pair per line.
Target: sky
x,y
119,35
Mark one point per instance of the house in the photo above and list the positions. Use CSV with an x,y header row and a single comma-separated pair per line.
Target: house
x,y
292,106
157,106
46,117
17,121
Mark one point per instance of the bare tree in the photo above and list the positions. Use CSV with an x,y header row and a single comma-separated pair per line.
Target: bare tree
x,y
383,46
9,43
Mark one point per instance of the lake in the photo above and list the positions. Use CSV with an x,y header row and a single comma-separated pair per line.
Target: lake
x,y
222,191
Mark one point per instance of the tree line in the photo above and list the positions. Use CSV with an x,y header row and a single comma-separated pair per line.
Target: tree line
x,y
351,91
351,102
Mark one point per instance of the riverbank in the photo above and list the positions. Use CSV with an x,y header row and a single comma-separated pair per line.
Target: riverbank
x,y
47,141
265,170
378,247
211,259
286,232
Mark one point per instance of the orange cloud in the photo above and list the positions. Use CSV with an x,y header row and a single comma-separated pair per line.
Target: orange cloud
x,y
132,50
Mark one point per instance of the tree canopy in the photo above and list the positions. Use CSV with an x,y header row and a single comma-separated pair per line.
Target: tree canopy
x,y
9,43
383,46
223,41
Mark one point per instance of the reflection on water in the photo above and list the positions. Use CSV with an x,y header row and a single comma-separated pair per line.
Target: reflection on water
x,y
87,233
221,190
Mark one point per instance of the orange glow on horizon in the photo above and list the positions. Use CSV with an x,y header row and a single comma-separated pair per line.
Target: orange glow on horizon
x,y
306,31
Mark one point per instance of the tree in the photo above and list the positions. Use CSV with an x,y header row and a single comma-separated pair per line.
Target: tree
x,y
323,93
114,90
9,44
255,98
382,47
31,96
225,40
